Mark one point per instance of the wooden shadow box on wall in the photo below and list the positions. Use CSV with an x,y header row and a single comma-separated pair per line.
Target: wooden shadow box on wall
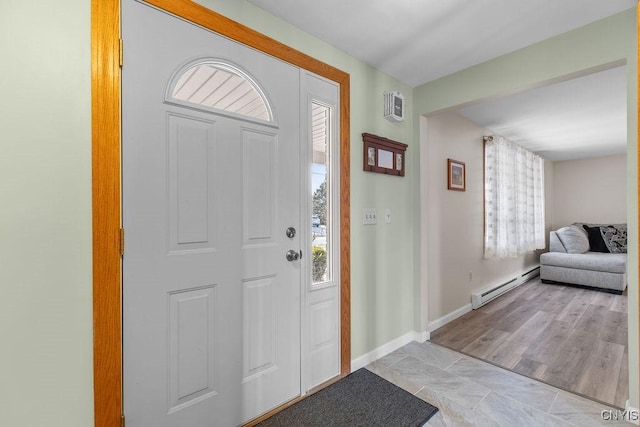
x,y
382,155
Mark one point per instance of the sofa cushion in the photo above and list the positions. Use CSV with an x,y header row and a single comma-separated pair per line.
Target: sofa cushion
x,y
574,240
594,261
596,242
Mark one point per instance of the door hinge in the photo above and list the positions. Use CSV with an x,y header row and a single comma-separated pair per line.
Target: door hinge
x,y
122,421
121,53
121,241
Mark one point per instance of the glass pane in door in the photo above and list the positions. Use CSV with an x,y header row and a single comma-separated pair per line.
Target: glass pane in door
x,y
321,191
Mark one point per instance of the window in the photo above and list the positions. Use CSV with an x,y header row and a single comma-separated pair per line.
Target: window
x,y
514,199
214,85
321,191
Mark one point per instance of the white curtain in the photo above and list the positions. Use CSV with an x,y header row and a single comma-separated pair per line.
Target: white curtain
x,y
514,200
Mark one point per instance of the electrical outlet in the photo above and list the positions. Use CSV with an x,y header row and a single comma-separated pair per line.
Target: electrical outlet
x,y
369,216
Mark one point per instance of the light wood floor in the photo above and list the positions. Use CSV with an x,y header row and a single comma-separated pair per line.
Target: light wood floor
x,y
572,338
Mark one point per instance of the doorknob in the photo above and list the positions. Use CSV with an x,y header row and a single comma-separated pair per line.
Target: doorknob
x,y
293,255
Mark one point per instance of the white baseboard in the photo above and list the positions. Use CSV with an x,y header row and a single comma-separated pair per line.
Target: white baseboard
x,y
387,348
449,317
421,336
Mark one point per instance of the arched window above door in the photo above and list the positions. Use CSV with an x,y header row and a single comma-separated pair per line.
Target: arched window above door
x,y
215,85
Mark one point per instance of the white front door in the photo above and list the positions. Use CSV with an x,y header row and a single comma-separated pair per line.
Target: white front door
x,y
211,304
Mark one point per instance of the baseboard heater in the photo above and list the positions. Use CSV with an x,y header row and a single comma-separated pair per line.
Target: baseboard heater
x,y
484,295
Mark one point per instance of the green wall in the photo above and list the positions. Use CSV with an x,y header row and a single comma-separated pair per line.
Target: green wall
x,y
45,183
593,47
46,365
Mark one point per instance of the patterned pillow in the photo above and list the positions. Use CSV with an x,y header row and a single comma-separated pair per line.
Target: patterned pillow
x,y
615,238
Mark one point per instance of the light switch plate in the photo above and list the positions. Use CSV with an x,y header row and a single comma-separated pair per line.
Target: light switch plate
x,y
369,216
387,216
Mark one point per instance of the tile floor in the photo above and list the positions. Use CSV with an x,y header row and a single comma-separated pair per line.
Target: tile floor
x,y
470,392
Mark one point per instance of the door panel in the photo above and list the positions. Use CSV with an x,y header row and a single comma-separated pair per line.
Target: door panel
x,y
192,186
259,187
192,347
211,306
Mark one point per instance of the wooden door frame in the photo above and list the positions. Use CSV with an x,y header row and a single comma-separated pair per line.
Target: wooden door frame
x,y
106,57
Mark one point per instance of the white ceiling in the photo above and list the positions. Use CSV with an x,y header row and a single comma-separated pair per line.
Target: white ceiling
x,y
579,118
417,41
420,41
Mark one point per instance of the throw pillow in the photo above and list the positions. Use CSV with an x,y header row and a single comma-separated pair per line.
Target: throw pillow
x,y
615,238
596,242
573,239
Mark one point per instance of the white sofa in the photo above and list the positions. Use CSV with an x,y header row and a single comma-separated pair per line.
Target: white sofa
x,y
577,256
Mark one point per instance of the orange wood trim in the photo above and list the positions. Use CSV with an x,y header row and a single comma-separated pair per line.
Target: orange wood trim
x,y
105,35
638,153
345,227
213,21
105,127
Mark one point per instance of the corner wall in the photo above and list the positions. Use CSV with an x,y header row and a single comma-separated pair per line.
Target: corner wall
x,y
455,219
590,191
603,44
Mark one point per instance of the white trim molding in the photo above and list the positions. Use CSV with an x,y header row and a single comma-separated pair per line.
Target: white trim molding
x,y
387,348
449,317
421,336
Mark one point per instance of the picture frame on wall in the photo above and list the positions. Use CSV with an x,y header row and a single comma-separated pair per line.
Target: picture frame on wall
x,y
456,175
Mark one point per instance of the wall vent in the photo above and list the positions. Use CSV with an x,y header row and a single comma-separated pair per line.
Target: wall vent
x,y
394,106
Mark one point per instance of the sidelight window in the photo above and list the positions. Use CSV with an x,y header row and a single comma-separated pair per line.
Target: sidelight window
x,y
321,192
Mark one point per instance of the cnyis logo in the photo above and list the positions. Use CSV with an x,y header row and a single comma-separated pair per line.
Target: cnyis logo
x,y
631,415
